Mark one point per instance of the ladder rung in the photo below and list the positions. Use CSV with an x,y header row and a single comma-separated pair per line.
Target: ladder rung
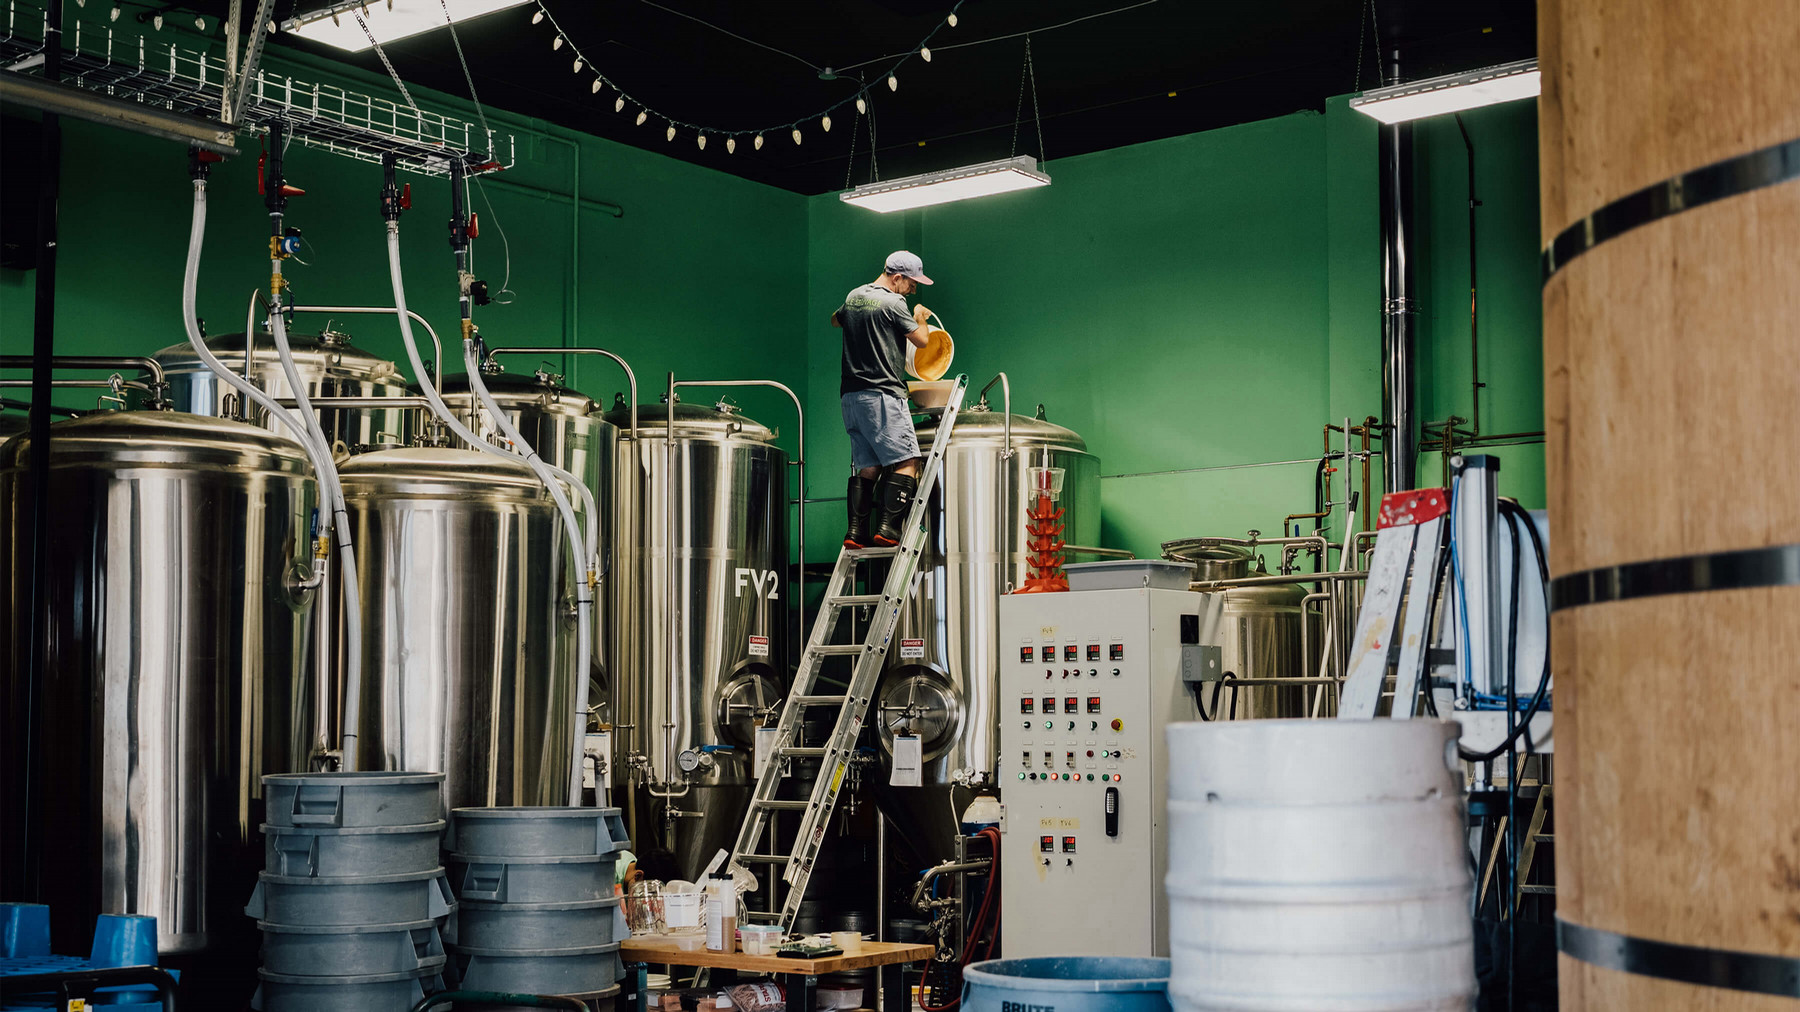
x,y
1538,890
839,649
801,752
782,806
818,700
1545,838
853,600
870,553
765,858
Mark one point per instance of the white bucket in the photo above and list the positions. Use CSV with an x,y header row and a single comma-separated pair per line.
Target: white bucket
x,y
932,361
1318,866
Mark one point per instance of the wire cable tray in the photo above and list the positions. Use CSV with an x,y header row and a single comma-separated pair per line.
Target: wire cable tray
x,y
323,116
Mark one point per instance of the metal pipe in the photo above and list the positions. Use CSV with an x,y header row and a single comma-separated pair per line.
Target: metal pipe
x,y
1305,633
944,868
1269,581
581,203
1474,356
1397,304
669,725
1341,631
630,377
1007,523
82,384
359,402
149,366
437,347
880,879
18,405
1110,553
1287,680
1005,404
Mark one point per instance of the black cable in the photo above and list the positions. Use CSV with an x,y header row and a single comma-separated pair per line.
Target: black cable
x,y
1200,699
1537,698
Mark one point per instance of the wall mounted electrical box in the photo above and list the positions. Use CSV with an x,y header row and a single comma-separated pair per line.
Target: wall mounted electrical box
x,y
1099,674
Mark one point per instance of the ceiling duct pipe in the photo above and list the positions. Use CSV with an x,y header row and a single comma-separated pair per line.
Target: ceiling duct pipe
x,y
1398,310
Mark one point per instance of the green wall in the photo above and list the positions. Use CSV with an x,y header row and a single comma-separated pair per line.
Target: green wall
x,y
1198,307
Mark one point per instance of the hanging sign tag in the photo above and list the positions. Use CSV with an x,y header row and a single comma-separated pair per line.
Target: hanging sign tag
x,y
765,748
912,650
909,761
759,646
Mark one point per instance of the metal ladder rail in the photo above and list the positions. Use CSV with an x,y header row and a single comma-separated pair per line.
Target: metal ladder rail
x,y
870,656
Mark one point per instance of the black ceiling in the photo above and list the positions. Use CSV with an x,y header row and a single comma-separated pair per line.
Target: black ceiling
x,y
1151,70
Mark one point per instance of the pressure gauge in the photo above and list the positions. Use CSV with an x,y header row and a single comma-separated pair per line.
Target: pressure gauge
x,y
691,760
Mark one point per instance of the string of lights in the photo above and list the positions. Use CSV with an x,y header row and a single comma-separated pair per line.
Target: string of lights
x,y
675,126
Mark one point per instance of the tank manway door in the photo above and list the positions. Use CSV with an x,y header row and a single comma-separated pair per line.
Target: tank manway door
x,y
812,694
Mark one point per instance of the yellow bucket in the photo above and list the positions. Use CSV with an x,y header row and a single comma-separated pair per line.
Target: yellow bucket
x,y
932,361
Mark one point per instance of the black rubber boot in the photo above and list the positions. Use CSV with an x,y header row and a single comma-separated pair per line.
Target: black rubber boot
x,y
894,497
860,500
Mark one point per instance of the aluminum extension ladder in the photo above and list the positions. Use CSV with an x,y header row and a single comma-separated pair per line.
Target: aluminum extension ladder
x,y
1404,571
870,657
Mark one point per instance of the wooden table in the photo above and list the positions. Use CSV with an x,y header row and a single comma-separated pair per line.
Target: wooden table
x,y
798,977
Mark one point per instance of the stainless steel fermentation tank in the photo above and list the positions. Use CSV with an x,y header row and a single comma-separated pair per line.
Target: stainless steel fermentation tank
x,y
329,364
1262,636
563,427
948,694
171,685
468,636
690,724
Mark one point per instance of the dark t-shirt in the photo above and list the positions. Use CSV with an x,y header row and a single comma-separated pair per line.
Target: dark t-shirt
x,y
876,322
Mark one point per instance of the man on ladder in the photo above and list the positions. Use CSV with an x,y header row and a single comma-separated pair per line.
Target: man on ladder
x,y
872,393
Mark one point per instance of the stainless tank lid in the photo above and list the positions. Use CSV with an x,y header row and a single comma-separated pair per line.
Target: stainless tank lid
x,y
692,421
326,352
972,424
171,438
531,391
1199,550
437,471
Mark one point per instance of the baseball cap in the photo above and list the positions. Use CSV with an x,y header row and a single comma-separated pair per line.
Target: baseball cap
x,y
907,265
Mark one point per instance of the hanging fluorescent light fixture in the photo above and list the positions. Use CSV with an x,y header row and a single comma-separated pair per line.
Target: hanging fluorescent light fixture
x,y
947,185
335,24
1436,96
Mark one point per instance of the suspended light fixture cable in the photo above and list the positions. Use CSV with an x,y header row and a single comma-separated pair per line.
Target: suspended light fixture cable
x,y
1027,70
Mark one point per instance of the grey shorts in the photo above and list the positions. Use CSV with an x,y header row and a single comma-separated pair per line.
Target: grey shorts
x,y
880,427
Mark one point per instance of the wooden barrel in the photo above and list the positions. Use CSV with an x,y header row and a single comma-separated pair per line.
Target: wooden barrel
x,y
1672,401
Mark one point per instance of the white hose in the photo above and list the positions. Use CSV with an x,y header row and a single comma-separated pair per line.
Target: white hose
x,y
579,550
352,594
330,497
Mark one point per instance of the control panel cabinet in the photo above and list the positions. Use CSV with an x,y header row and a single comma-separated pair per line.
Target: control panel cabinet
x,y
1083,762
